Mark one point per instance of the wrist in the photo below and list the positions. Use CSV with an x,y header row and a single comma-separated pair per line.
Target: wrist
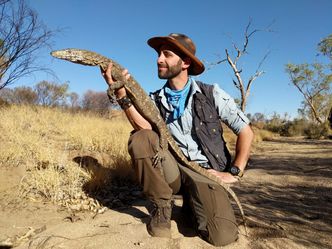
x,y
120,93
124,102
235,171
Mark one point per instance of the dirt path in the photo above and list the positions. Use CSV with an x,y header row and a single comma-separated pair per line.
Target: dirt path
x,y
286,194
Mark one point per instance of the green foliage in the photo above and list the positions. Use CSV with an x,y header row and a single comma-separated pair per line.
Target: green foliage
x,y
325,46
317,131
275,124
294,128
314,83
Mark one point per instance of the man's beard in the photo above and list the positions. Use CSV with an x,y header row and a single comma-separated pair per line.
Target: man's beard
x,y
171,72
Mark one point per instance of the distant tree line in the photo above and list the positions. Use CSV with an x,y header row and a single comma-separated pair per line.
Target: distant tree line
x,y
51,94
23,36
285,126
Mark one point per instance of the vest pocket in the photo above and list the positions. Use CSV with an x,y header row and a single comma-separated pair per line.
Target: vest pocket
x,y
213,128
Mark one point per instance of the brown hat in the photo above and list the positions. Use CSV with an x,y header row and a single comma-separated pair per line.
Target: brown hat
x,y
182,44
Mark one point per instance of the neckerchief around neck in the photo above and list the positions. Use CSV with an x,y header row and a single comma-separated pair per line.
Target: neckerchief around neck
x,y
177,98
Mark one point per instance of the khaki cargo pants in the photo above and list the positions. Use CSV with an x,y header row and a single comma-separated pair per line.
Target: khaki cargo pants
x,y
208,201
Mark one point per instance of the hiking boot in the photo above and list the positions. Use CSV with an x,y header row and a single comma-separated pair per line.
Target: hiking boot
x,y
187,211
160,223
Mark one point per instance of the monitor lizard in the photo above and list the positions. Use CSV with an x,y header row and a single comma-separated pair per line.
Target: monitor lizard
x,y
145,106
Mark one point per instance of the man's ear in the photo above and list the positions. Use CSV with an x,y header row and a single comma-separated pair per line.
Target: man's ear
x,y
186,63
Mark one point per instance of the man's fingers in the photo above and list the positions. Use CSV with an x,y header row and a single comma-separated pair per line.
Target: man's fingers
x,y
126,74
107,74
109,68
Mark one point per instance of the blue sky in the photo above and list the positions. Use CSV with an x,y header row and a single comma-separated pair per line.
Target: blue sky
x,y
119,30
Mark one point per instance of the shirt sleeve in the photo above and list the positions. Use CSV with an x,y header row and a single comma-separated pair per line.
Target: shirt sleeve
x,y
228,111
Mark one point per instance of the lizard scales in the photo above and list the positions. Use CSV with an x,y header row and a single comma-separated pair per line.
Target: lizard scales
x,y
144,106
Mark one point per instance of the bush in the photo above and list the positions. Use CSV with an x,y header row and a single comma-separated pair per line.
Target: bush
x,y
263,135
3,103
45,141
317,131
294,128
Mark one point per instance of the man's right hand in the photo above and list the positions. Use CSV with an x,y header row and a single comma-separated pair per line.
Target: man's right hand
x,y
110,80
226,177
135,118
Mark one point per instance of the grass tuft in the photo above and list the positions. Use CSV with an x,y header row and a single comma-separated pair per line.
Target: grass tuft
x,y
48,143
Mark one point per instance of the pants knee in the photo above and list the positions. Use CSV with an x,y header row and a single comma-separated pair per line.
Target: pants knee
x,y
221,232
212,209
143,143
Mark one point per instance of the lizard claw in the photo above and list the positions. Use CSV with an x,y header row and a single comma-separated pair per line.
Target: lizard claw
x,y
158,157
111,95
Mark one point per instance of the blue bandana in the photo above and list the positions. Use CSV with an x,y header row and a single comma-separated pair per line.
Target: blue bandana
x,y
177,98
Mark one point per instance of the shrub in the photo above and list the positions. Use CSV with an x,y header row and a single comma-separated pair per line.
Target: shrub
x,y
317,131
3,103
294,128
45,142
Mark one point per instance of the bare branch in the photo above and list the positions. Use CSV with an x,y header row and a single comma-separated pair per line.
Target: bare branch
x,y
22,35
233,62
252,78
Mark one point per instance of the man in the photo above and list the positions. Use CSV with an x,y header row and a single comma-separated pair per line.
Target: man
x,y
192,111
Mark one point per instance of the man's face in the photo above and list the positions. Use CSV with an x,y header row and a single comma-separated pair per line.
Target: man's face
x,y
169,63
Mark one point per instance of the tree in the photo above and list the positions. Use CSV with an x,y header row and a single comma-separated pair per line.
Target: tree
x,y
73,100
96,101
314,82
24,95
325,46
258,117
7,95
22,35
51,94
238,82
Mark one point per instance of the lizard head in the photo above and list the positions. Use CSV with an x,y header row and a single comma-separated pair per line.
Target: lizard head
x,y
70,54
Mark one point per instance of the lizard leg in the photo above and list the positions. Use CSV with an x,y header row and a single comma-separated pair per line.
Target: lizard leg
x,y
117,85
111,95
112,88
160,155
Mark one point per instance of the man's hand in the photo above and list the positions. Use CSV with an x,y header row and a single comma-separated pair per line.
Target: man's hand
x,y
109,80
226,177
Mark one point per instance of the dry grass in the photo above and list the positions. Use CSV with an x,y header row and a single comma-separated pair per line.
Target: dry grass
x,y
52,144
62,151
260,135
263,135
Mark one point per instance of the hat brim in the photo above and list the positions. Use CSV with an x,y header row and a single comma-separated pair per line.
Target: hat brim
x,y
196,67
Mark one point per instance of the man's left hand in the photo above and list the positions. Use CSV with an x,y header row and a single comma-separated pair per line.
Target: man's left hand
x,y
226,177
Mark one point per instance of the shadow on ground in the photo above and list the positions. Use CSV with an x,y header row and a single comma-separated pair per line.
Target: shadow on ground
x,y
124,195
294,191
291,199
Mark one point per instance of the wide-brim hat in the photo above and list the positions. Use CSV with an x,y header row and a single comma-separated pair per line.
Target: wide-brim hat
x,y
182,45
